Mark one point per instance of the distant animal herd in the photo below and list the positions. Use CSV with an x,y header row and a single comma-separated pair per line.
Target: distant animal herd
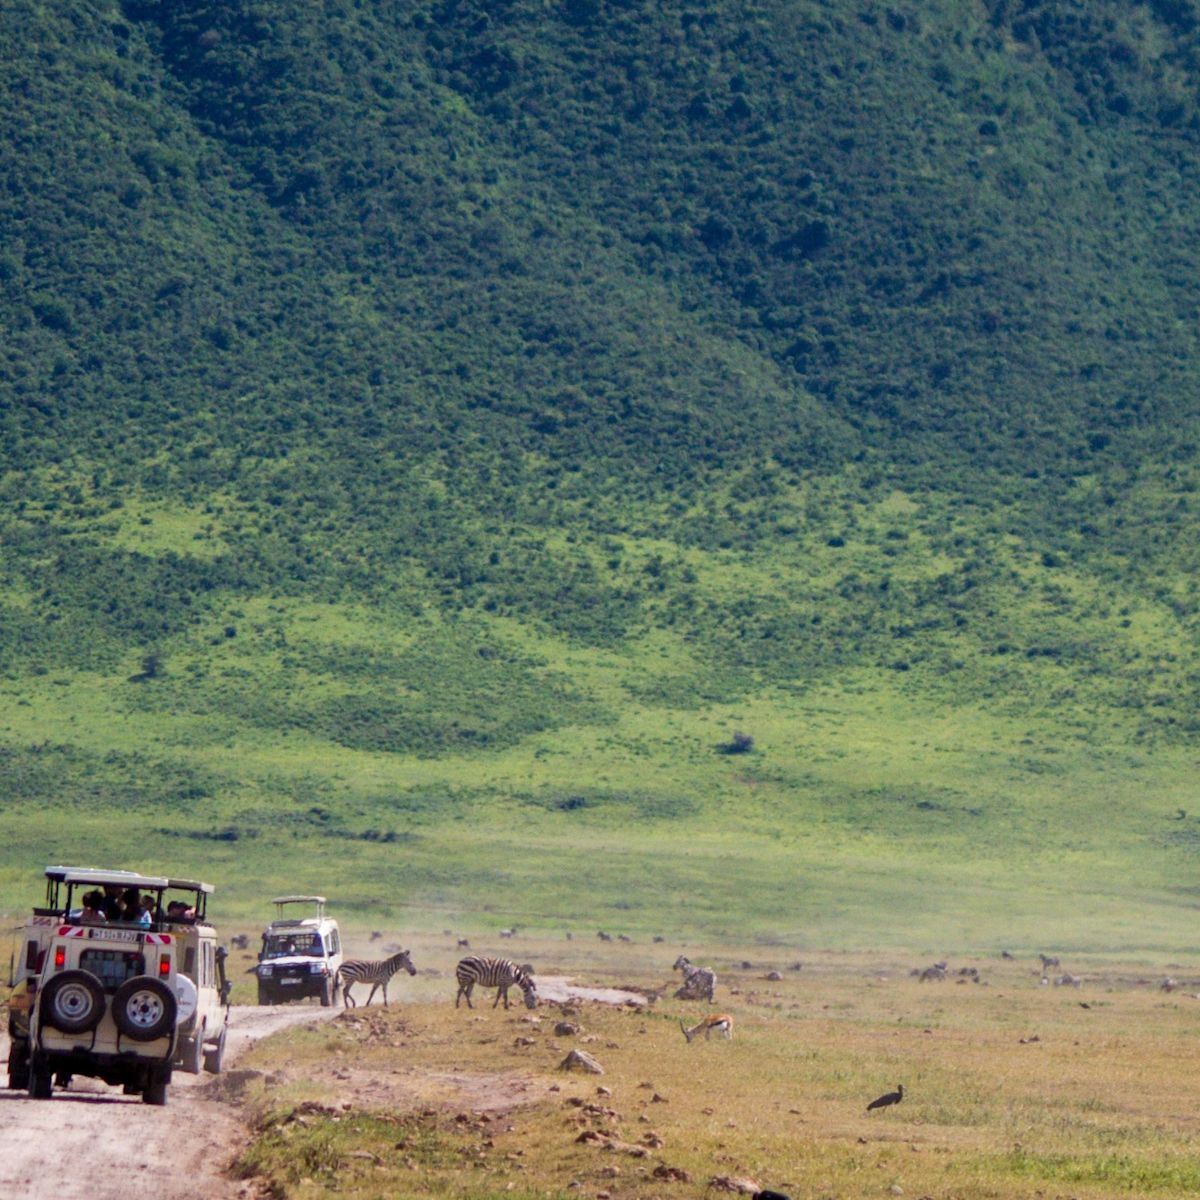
x,y
699,983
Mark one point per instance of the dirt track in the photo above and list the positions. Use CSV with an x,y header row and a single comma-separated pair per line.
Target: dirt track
x,y
91,1142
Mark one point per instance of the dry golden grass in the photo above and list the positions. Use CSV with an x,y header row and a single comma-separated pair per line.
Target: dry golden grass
x,y
1013,1089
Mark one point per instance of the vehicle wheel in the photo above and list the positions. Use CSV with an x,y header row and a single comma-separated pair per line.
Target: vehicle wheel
x,y
155,1091
326,993
18,1064
41,1085
214,1057
144,1008
193,1052
265,995
73,1002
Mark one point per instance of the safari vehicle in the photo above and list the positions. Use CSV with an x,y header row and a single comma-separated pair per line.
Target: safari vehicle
x,y
300,956
127,998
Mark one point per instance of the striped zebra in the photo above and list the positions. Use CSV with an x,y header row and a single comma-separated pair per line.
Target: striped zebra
x,y
376,974
698,982
499,973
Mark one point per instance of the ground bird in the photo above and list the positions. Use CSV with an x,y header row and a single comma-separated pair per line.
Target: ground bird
x,y
888,1098
769,1195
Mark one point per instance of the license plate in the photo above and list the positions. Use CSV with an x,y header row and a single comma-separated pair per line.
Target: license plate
x,y
115,935
285,982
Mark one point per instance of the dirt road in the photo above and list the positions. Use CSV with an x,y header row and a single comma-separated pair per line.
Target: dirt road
x,y
91,1142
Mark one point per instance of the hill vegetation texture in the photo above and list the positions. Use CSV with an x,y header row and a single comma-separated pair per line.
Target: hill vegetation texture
x,y
451,450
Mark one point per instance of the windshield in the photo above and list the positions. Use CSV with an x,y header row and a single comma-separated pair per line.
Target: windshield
x,y
283,945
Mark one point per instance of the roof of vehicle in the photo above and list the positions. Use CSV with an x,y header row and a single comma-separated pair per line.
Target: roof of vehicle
x,y
100,876
306,923
192,885
298,900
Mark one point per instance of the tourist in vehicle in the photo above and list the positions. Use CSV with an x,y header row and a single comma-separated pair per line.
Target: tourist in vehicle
x,y
92,912
137,909
111,901
179,910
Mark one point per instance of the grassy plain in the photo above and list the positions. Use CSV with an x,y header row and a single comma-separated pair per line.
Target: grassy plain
x,y
865,817
1013,1089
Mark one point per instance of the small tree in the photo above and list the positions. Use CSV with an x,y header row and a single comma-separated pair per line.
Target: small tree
x,y
152,668
740,743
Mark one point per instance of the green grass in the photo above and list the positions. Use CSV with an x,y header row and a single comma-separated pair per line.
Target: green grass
x,y
863,816
422,449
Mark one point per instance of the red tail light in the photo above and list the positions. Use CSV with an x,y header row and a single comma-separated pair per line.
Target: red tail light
x,y
164,964
60,958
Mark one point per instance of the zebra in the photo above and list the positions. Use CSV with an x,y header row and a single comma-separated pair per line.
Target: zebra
x,y
376,974
500,973
698,982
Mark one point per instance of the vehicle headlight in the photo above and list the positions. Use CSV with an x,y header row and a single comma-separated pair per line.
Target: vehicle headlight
x,y
318,968
265,971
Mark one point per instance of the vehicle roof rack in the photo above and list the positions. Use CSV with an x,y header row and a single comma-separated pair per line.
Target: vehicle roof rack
x,y
191,885
280,901
98,875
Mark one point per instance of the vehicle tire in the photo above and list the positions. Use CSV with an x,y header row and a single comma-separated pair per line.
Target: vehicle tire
x,y
73,1002
326,993
193,1052
18,1065
155,1091
144,1008
214,1057
41,1083
265,994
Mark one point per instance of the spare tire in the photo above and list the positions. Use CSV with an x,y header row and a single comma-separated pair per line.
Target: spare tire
x,y
144,1008
73,1002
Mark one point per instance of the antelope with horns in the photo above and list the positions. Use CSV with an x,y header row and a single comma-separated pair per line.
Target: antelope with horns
x,y
721,1023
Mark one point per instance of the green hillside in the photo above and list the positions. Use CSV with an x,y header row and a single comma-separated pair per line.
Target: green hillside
x,y
739,456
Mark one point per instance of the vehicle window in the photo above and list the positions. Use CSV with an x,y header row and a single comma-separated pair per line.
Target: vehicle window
x,y
284,945
31,956
335,945
112,967
189,962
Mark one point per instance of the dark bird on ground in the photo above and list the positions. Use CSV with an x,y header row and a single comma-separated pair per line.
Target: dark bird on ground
x,y
769,1195
888,1098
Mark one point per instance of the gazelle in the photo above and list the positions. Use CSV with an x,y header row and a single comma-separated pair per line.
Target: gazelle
x,y
721,1023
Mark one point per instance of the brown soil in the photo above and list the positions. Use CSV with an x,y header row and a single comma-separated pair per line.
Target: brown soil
x,y
91,1142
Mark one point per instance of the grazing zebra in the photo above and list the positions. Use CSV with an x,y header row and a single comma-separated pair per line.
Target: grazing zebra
x,y
499,973
376,974
698,982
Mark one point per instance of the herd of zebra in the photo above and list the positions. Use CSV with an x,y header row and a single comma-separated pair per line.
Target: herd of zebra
x,y
499,973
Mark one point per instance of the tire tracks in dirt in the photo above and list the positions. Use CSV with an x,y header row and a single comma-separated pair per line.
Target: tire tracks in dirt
x,y
91,1142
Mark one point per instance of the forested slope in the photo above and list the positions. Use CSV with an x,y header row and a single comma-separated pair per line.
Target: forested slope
x,y
769,347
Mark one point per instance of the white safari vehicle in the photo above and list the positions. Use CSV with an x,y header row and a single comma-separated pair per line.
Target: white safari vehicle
x,y
118,977
300,956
